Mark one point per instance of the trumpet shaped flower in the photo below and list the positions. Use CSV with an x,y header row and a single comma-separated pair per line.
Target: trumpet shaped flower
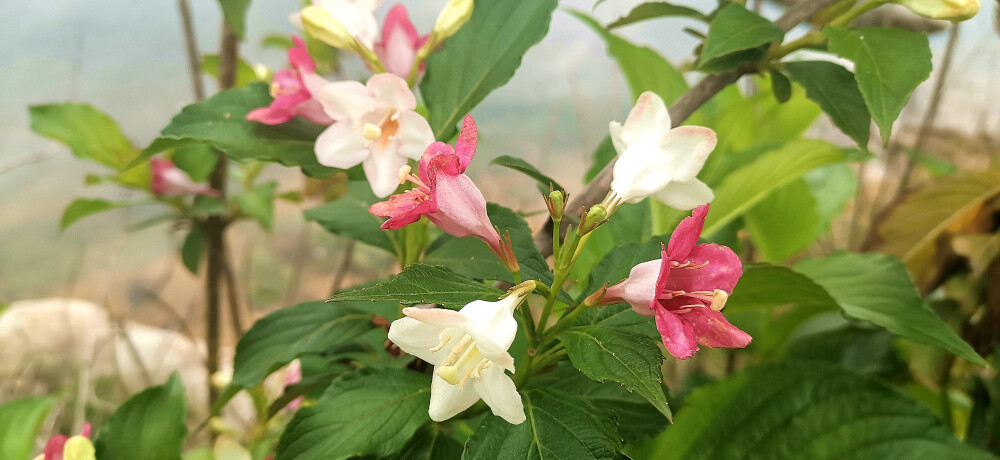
x,y
292,90
446,195
468,349
400,43
685,291
658,161
376,125
77,447
342,24
168,180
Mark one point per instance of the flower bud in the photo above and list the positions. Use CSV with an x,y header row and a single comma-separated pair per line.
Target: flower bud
x,y
454,15
597,298
322,26
951,10
556,203
592,219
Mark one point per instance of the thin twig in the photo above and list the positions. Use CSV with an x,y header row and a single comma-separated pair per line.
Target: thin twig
x,y
191,47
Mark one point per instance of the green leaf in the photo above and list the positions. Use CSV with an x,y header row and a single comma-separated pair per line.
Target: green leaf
x,y
277,41
150,425
191,249
420,283
806,410
604,153
244,73
619,317
428,444
280,337
258,203
832,187
889,64
205,206
618,262
220,121
89,133
608,354
735,29
83,207
877,288
780,86
631,224
746,187
833,87
197,160
558,425
644,68
785,222
20,420
656,10
363,413
235,12
480,57
518,164
349,217
865,350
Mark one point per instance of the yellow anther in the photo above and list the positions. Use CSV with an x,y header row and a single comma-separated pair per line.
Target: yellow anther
x,y
372,131
719,298
444,341
404,174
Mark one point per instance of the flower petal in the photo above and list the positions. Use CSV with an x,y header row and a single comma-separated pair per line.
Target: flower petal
x,y
391,91
689,146
615,130
678,336
723,270
345,100
641,170
312,110
341,146
448,400
403,209
713,330
417,338
499,392
462,209
685,195
441,317
299,58
281,110
686,235
639,289
413,136
649,117
465,148
491,326
382,170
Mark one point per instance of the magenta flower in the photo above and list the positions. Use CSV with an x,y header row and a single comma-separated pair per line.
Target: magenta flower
x,y
400,43
77,447
446,195
685,291
292,90
168,180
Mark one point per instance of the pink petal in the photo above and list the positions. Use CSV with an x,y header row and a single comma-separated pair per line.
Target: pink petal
x,y
467,140
403,209
462,209
85,431
54,448
686,235
723,271
639,289
678,336
392,91
286,81
434,150
299,58
312,110
281,110
398,21
661,280
713,330
398,49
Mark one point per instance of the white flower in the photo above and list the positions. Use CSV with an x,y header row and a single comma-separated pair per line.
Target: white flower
x,y
355,17
468,349
952,10
657,160
375,125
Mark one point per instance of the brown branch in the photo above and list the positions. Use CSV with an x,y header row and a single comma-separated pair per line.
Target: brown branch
x,y
680,110
191,47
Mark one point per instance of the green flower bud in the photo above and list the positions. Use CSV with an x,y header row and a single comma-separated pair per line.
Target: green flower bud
x,y
596,216
951,10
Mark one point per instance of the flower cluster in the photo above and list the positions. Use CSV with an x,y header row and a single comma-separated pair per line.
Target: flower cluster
x,y
76,447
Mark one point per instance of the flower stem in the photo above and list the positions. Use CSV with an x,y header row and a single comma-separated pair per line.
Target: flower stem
x,y
556,223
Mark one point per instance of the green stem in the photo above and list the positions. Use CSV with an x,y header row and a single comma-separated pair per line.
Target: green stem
x,y
563,323
848,17
557,284
814,38
556,226
550,357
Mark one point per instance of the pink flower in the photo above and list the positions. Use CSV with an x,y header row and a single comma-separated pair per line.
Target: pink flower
x,y
168,180
446,195
685,291
400,43
293,375
77,447
292,91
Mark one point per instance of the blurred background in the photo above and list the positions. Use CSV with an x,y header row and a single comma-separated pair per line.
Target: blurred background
x,y
127,59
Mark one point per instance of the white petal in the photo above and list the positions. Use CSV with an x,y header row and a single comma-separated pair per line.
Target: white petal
x,y
341,146
615,129
414,135
417,338
448,400
392,91
314,83
641,170
345,99
499,392
492,327
438,316
382,170
688,147
640,287
685,195
649,117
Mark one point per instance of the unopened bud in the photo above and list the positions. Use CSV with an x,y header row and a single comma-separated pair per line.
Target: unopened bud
x,y
222,378
592,219
454,15
951,10
556,203
321,25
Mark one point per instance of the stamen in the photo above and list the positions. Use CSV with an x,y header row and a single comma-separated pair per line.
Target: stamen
x,y
460,348
444,341
372,132
719,298
404,174
449,369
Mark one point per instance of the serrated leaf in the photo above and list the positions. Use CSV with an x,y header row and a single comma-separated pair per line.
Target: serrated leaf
x,y
487,49
191,249
784,223
632,360
235,13
805,410
150,425
889,64
518,164
425,284
280,337
220,121
746,187
877,288
258,203
656,10
644,68
363,413
735,29
619,317
348,216
20,420
835,90
558,425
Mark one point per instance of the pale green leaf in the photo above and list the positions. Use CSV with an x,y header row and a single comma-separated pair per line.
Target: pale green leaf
x,y
20,420
785,222
258,203
244,73
654,10
736,29
520,165
150,425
